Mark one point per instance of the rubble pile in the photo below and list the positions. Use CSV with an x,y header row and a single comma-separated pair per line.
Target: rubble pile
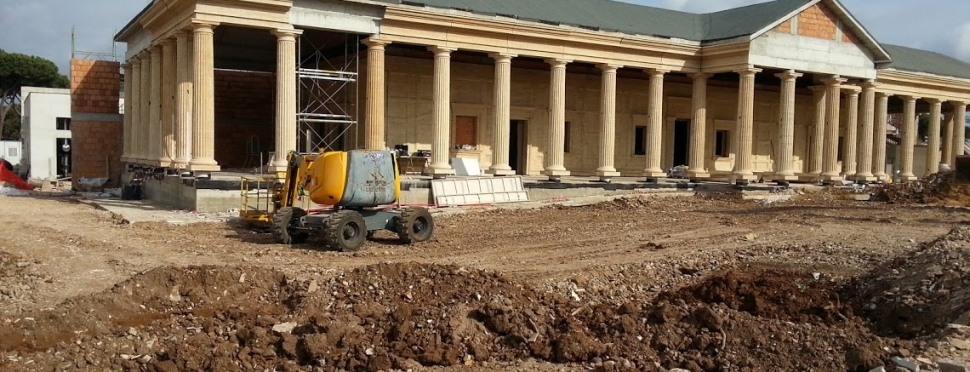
x,y
920,293
937,188
408,316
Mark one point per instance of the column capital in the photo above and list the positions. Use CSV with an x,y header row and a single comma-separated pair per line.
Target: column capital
x,y
748,71
166,41
502,56
558,62
155,48
909,98
283,33
199,25
375,43
959,104
818,88
869,84
789,75
853,92
884,94
441,50
656,71
700,75
934,101
609,66
834,81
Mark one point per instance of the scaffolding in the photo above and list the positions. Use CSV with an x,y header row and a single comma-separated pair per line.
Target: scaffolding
x,y
327,95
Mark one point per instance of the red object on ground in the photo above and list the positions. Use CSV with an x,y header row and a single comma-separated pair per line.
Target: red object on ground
x,y
11,178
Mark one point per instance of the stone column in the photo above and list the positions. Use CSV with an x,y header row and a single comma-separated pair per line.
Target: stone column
x,y
959,120
879,140
374,137
607,151
655,125
909,139
500,138
203,107
183,101
126,124
933,143
784,169
849,166
136,123
696,165
864,166
155,110
169,70
744,140
440,167
557,120
286,97
817,145
831,172
144,127
948,140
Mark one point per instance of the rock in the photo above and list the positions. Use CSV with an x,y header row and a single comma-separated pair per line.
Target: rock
x,y
878,369
284,327
132,331
906,363
242,278
313,286
174,294
959,344
145,359
947,365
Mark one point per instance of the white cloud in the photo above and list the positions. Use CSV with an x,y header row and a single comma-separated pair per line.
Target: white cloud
x,y
961,40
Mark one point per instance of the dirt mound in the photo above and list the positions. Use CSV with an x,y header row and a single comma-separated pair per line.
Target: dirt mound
x,y
405,316
769,293
919,293
937,188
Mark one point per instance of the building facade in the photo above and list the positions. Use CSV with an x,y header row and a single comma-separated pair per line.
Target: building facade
x,y
46,132
786,90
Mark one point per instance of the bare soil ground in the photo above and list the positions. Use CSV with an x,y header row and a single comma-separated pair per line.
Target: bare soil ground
x,y
705,284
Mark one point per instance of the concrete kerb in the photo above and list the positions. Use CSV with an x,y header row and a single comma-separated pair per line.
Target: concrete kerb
x,y
140,211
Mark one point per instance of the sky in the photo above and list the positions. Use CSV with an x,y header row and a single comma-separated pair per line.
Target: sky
x,y
43,27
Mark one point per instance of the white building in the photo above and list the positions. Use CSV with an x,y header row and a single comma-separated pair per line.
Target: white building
x,y
46,132
11,151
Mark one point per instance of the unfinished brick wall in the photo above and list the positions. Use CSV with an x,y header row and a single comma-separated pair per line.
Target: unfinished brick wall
x,y
784,27
96,129
817,21
245,106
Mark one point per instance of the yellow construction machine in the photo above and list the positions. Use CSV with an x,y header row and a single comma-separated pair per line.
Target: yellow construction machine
x,y
342,196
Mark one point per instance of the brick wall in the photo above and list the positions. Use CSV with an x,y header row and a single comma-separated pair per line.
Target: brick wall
x,y
245,106
96,128
817,21
784,27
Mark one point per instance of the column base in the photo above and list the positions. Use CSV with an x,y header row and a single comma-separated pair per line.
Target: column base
x,y
204,167
784,177
501,172
276,168
555,174
438,173
865,178
694,176
607,176
165,163
882,177
653,174
742,179
907,178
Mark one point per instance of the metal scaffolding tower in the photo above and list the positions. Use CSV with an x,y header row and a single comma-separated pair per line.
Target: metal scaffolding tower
x,y
328,103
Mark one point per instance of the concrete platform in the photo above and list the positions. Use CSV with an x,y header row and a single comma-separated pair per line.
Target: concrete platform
x,y
221,191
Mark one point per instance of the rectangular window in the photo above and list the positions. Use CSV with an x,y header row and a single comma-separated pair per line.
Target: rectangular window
x,y
12,152
568,138
63,123
465,130
639,140
721,143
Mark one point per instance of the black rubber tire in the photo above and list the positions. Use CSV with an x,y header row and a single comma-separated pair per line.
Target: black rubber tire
x,y
345,231
283,220
414,225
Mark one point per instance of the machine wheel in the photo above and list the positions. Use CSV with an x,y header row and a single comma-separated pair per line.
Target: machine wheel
x,y
345,231
414,225
283,220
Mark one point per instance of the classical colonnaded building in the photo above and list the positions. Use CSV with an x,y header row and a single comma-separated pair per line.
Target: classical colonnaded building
x,y
786,90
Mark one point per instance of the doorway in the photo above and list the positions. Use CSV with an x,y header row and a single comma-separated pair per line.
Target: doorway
x,y
517,146
681,141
